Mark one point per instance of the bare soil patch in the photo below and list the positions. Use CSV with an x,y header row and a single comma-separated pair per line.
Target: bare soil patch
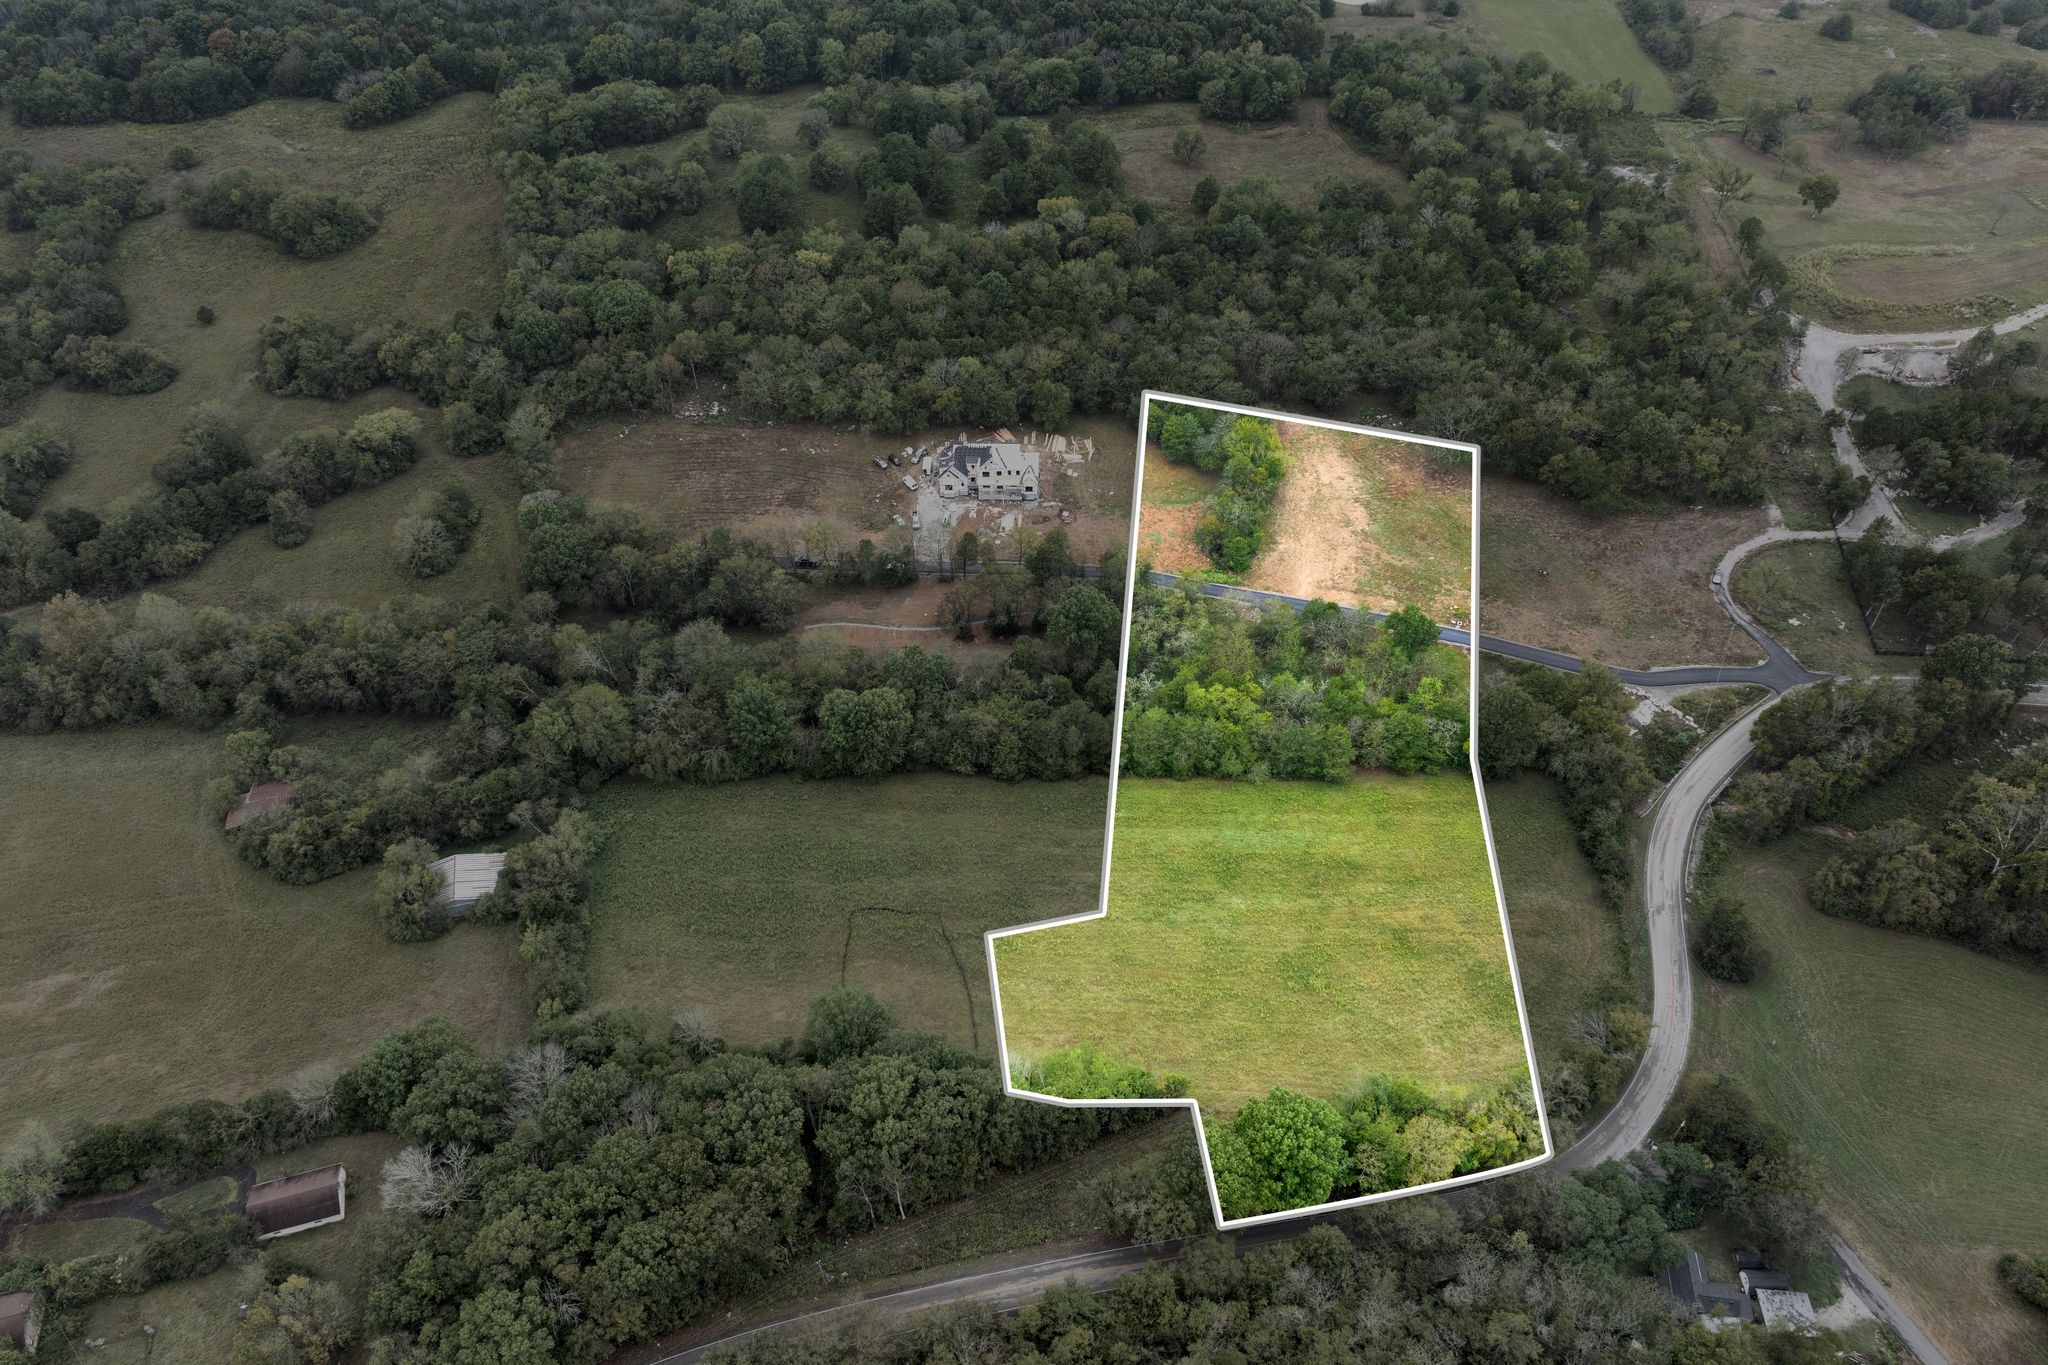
x,y
1631,589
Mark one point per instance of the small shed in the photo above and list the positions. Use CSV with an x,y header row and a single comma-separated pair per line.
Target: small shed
x,y
467,878
21,1319
260,799
1786,1308
1748,1258
310,1199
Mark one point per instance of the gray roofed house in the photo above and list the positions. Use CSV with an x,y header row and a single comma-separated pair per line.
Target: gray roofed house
x,y
310,1199
994,471
467,878
1717,1303
21,1319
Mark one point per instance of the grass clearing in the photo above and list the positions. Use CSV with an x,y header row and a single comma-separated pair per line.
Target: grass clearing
x,y
1585,38
70,1239
1630,588
349,561
752,900
146,965
1297,155
1910,1069
1799,592
204,1197
1283,933
1712,707
435,253
1567,942
1955,235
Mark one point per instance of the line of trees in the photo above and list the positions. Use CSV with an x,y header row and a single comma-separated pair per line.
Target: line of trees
x,y
1246,452
1218,689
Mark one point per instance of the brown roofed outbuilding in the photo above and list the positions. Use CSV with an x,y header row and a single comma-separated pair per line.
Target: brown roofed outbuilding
x,y
309,1199
260,799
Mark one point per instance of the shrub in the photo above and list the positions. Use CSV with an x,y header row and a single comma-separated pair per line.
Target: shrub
x,y
116,367
407,897
1840,27
1724,941
182,158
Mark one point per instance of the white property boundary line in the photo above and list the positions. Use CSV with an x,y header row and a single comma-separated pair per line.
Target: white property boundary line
x,y
1109,834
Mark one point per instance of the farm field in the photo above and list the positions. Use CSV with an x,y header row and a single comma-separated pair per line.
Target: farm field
x,y
146,965
1909,1068
1952,236
434,254
751,900
1296,155
1628,588
1304,935
1800,594
1585,38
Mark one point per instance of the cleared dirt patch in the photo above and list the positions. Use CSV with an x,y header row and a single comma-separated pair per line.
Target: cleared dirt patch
x,y
1370,522
1630,589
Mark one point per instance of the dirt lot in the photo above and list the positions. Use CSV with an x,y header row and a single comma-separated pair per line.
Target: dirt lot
x,y
1369,522
785,484
891,619
1630,589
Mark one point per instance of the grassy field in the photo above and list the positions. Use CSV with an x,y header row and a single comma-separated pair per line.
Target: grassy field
x,y
1911,1070
1568,944
1585,38
1296,156
348,561
1748,52
146,964
434,253
1629,589
1296,934
752,900
1957,234
194,1320
1799,593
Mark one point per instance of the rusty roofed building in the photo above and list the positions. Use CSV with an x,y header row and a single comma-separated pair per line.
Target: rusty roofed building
x,y
260,799
993,471
310,1199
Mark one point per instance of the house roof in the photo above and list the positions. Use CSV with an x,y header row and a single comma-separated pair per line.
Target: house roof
x,y
260,799
468,877
295,1199
1753,1280
1785,1308
998,458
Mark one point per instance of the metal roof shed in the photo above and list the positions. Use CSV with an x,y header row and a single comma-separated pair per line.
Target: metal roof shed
x,y
467,878
310,1199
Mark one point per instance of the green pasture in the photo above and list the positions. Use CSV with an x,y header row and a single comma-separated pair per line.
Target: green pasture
x,y
751,900
1281,933
1585,38
147,965
1799,592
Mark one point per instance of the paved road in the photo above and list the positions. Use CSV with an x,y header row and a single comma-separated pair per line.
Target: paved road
x,y
1667,864
1889,1310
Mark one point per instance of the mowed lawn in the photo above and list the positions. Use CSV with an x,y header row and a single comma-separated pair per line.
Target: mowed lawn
x,y
435,253
145,964
1911,1069
1585,38
1300,934
752,900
